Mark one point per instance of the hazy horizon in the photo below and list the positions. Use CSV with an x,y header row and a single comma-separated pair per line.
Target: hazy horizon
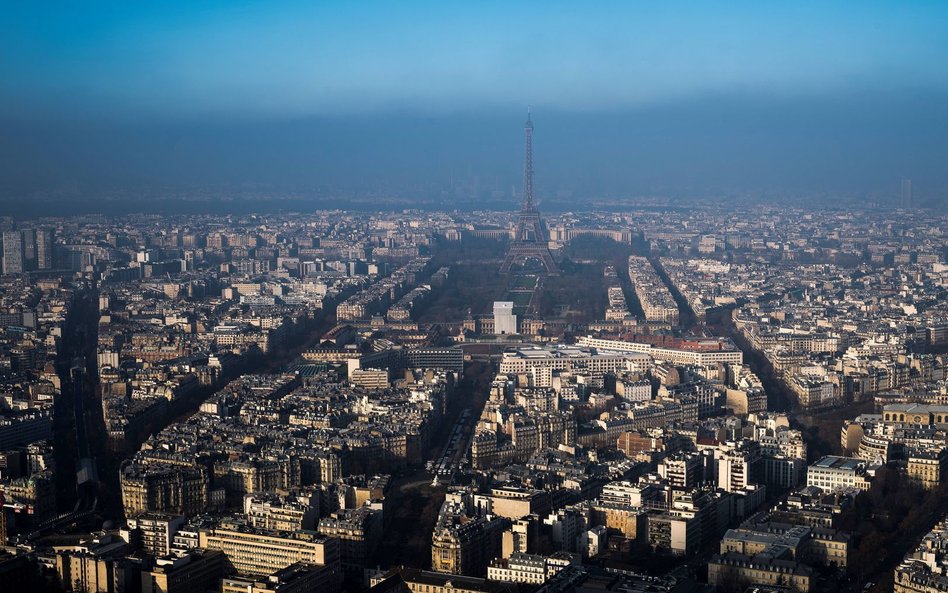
x,y
812,99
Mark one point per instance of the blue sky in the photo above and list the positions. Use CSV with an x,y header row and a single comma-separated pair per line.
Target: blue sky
x,y
317,58
634,97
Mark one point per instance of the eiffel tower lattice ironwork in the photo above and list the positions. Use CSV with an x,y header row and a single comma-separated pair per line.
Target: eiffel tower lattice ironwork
x,y
529,240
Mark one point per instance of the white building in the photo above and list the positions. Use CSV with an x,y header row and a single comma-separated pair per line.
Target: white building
x,y
566,527
735,464
832,473
157,531
635,391
715,351
531,569
505,322
595,541
543,361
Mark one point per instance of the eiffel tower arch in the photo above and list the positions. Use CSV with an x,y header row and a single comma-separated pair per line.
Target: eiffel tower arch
x,y
530,239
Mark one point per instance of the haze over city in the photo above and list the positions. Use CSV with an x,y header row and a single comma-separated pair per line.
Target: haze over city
x,y
673,99
493,297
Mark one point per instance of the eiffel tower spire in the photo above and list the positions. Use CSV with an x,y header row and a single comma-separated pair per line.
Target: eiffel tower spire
x,y
529,240
528,164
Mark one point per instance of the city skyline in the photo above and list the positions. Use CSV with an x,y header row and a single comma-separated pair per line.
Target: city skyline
x,y
494,297
369,400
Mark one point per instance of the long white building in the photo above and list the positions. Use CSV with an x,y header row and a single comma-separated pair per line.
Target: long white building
x,y
726,354
543,361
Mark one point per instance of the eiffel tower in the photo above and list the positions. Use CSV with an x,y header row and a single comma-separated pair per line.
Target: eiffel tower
x,y
529,240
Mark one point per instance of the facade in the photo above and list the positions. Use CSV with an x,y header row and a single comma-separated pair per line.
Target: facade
x,y
260,552
369,378
44,249
13,252
169,489
678,532
782,472
280,513
25,428
928,467
761,570
813,392
543,361
722,353
449,359
737,465
296,578
620,519
915,577
833,474
682,470
157,531
915,414
505,322
358,532
35,492
528,569
466,548
91,573
194,570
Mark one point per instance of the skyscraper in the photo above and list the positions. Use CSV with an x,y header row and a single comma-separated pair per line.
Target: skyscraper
x,y
44,249
12,252
906,196
29,249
